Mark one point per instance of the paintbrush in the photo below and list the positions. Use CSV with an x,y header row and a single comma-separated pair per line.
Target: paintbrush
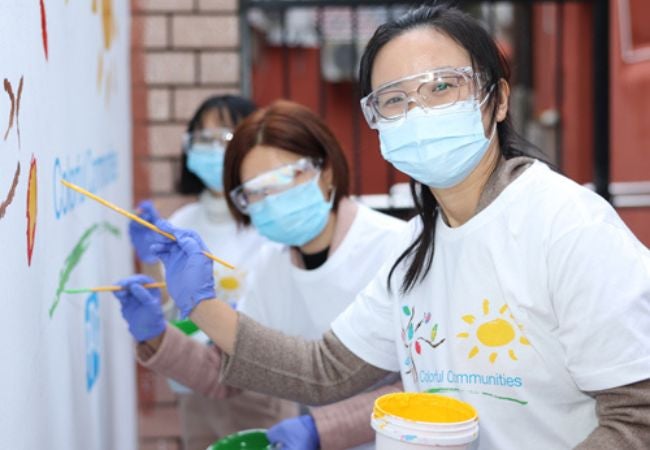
x,y
136,218
111,288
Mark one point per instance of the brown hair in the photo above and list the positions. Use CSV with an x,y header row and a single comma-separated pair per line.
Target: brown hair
x,y
291,127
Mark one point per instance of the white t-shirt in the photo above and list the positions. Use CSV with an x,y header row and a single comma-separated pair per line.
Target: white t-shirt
x,y
540,296
210,218
303,302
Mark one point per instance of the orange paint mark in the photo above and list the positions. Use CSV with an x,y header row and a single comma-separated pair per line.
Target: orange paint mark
x,y
32,209
108,23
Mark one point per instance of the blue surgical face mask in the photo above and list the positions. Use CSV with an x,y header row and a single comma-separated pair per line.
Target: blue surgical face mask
x,y
206,162
293,217
437,147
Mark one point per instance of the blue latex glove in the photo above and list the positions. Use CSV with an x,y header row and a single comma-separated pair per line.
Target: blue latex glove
x,y
141,307
297,433
188,271
141,236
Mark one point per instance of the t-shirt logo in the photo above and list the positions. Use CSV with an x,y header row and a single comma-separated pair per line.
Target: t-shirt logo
x,y
494,332
414,342
230,285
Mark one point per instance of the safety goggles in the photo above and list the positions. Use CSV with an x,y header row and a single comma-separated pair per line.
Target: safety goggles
x,y
274,182
434,89
206,137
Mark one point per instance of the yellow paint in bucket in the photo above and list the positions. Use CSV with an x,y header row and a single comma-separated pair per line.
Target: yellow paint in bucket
x,y
421,421
424,407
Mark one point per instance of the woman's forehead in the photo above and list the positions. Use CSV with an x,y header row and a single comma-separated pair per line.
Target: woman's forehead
x,y
414,52
263,158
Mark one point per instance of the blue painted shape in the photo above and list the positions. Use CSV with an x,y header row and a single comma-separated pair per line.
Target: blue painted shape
x,y
93,340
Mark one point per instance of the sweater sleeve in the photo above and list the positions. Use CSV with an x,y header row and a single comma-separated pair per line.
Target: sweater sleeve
x,y
309,372
623,418
346,424
189,362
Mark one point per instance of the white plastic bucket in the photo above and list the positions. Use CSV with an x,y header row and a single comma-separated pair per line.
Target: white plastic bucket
x,y
420,421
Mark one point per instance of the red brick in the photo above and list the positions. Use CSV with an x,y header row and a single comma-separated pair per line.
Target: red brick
x,y
169,68
162,176
167,205
205,31
164,5
154,31
187,101
219,68
166,140
161,422
218,5
159,104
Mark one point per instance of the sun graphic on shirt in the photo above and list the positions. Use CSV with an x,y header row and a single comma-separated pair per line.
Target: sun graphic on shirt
x,y
229,285
498,334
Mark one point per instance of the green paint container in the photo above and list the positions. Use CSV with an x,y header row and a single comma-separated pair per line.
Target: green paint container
x,y
254,439
186,326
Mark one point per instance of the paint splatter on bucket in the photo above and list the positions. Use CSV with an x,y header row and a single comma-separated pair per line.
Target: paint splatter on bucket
x,y
418,421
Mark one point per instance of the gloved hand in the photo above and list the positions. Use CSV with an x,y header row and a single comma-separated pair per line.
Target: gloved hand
x,y
187,270
141,308
297,433
141,236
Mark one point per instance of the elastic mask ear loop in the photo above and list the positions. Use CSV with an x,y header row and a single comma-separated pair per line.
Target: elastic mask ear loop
x,y
489,92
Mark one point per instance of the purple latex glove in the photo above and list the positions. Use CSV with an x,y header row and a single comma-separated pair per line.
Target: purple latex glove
x,y
141,236
187,270
141,307
297,433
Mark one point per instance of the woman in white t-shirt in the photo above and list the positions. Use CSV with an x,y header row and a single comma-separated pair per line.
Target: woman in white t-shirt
x,y
514,289
287,176
204,420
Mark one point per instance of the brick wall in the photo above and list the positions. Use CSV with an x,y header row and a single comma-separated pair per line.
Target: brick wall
x,y
182,52
187,50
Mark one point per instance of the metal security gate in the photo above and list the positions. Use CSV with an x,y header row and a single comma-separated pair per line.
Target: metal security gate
x,y
511,19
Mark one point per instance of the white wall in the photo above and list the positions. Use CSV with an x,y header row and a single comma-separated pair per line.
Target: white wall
x,y
67,378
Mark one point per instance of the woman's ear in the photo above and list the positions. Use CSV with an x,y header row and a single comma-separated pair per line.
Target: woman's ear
x,y
327,179
504,96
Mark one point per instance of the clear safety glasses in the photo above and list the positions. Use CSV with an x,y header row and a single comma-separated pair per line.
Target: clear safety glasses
x,y
274,182
434,89
207,137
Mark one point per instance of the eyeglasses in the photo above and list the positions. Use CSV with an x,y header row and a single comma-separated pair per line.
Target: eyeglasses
x,y
274,182
434,89
207,136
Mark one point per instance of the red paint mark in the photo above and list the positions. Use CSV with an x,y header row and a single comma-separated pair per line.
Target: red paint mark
x,y
44,27
32,209
10,195
10,93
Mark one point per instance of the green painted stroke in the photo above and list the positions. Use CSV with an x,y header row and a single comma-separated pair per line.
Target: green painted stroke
x,y
74,257
443,390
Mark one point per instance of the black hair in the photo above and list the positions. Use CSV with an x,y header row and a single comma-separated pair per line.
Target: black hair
x,y
238,108
491,64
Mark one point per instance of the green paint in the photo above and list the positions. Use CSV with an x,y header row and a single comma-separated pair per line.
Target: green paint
x,y
443,390
74,257
77,291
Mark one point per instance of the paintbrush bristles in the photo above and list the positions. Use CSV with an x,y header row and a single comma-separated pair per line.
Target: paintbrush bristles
x,y
135,218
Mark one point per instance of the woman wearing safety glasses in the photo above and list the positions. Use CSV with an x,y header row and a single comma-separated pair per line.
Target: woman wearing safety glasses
x,y
514,289
204,420
287,176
